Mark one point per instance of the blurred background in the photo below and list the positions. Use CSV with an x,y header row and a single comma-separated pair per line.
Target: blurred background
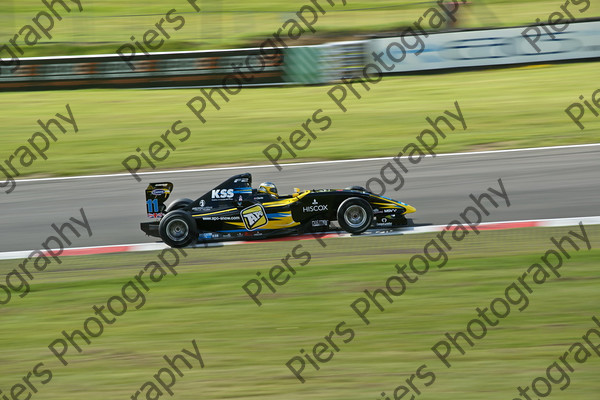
x,y
237,23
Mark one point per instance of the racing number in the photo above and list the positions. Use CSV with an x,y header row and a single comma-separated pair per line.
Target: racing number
x,y
152,205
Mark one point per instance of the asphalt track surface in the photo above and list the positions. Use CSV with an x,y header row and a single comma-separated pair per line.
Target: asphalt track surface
x,y
542,183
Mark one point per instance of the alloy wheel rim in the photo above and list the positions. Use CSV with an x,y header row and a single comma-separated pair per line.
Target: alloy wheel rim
x,y
177,230
355,216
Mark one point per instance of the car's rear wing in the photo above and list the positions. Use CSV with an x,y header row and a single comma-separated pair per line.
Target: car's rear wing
x,y
156,195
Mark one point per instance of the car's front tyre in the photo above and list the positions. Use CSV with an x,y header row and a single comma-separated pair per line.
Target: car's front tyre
x,y
178,229
355,215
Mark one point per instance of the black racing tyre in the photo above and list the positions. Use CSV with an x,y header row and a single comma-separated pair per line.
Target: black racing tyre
x,y
355,215
178,229
178,204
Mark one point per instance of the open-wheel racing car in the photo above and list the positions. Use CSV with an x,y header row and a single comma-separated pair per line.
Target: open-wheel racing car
x,y
234,210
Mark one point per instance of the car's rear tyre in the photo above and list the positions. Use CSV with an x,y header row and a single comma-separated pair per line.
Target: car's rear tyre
x,y
355,215
178,229
179,204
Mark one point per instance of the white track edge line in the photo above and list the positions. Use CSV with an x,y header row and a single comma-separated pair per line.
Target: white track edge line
x,y
182,171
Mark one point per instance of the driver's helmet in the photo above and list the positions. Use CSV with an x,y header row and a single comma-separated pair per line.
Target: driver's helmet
x,y
268,187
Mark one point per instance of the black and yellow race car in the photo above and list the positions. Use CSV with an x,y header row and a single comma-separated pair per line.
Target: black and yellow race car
x,y
234,210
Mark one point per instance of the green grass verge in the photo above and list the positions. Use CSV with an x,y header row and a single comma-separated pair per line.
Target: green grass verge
x,y
106,24
505,108
245,347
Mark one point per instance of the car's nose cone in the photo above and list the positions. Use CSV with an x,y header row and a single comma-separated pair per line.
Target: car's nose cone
x,y
409,209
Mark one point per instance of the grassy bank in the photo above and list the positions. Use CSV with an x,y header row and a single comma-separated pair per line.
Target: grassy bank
x,y
104,25
245,348
506,108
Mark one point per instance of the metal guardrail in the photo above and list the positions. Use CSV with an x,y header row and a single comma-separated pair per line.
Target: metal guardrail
x,y
173,69
304,64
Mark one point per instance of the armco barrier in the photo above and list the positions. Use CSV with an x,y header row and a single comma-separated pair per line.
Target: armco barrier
x,y
482,48
307,64
172,69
